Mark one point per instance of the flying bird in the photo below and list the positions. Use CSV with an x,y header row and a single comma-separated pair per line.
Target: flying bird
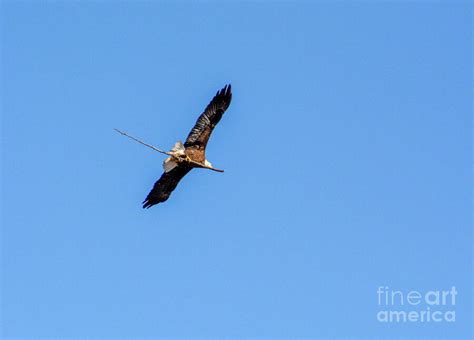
x,y
192,154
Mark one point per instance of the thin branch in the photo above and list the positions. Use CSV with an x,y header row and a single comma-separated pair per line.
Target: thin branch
x,y
205,166
143,143
199,165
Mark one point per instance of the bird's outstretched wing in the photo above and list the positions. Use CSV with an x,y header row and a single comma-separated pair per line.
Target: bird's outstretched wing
x,y
206,122
165,185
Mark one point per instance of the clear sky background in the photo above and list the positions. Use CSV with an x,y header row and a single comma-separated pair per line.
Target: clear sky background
x,y
347,157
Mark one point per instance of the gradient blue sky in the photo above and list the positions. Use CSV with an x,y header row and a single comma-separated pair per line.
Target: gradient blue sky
x,y
347,151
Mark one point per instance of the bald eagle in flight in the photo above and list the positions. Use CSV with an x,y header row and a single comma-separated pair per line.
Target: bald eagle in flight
x,y
192,154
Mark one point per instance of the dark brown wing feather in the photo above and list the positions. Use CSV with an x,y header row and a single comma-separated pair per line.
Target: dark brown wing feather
x,y
206,122
165,185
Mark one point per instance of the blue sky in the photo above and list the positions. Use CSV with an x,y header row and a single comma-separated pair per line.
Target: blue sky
x,y
347,151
